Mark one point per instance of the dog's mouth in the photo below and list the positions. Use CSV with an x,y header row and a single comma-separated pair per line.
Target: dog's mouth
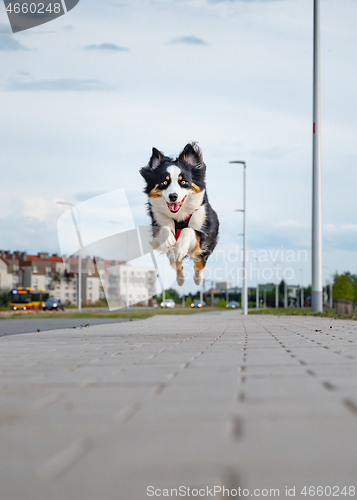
x,y
175,207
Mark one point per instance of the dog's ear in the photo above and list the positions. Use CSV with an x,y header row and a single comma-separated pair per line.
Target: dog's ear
x,y
156,158
192,155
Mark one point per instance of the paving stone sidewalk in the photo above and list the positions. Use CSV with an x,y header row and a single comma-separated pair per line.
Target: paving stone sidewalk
x,y
213,399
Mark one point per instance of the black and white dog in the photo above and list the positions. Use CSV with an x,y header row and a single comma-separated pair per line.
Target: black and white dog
x,y
183,221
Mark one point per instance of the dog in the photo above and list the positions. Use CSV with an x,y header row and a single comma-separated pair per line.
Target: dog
x,y
183,221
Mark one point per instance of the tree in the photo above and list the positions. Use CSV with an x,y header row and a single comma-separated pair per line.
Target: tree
x,y
167,296
188,301
174,295
4,297
222,303
343,288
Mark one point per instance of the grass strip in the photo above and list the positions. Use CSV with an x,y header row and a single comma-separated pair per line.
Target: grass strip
x,y
298,311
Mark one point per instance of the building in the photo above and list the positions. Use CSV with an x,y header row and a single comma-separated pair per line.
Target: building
x,y
11,271
122,283
6,278
223,286
127,285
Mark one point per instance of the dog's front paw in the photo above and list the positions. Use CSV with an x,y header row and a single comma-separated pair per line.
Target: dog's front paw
x,y
184,244
181,250
166,240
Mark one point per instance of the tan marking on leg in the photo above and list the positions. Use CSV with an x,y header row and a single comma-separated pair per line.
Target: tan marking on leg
x,y
197,250
199,264
195,255
179,267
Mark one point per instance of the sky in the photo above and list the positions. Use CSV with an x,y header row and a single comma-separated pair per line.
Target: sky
x,y
85,97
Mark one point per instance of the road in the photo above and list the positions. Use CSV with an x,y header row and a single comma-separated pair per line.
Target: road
x,y
14,326
119,411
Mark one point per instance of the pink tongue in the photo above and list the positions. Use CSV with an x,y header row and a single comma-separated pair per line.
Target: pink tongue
x,y
175,207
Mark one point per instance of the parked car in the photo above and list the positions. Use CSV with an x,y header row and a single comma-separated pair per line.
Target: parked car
x,y
198,303
167,303
232,305
53,305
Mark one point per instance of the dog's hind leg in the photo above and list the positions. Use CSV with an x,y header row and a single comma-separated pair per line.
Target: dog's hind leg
x,y
199,264
180,273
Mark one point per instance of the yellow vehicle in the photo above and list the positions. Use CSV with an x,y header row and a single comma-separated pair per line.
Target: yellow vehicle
x,y
27,299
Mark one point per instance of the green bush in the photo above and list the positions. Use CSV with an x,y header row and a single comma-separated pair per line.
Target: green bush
x,y
167,297
343,288
188,301
222,303
4,297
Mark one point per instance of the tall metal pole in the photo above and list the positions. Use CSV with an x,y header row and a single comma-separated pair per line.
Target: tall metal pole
x,y
316,288
80,280
244,279
127,286
245,287
285,295
257,288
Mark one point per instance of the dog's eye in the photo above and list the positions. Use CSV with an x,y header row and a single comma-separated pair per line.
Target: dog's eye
x,y
165,183
183,182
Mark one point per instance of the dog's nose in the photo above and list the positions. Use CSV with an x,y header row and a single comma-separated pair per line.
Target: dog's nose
x,y
173,197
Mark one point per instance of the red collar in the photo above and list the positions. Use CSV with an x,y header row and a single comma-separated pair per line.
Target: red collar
x,y
181,225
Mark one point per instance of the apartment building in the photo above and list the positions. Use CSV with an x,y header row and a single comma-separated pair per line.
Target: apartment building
x,y
128,285
6,279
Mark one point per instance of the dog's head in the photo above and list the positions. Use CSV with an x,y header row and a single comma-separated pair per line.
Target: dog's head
x,y
172,183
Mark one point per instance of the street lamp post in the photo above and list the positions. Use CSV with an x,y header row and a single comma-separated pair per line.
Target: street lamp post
x,y
244,287
77,227
257,289
316,254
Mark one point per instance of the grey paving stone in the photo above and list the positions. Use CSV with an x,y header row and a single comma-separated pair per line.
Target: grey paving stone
x,y
196,401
